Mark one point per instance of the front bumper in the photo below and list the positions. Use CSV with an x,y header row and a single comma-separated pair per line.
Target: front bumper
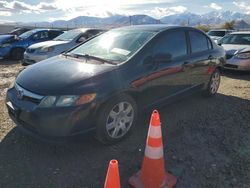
x,y
31,58
52,123
238,64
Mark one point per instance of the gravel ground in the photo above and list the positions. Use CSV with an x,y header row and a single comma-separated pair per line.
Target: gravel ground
x,y
207,144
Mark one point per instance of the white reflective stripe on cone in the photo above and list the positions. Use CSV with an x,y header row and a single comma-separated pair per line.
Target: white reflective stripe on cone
x,y
154,152
155,132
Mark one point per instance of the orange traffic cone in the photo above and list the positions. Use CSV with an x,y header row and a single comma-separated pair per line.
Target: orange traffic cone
x,y
112,177
153,174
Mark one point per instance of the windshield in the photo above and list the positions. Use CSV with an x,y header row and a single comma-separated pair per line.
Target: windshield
x,y
68,36
117,45
27,34
216,33
243,39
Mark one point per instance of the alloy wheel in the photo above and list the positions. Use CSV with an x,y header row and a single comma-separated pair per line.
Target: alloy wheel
x,y
215,82
120,119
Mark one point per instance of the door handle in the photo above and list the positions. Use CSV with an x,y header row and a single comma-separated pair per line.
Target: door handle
x,y
185,64
210,57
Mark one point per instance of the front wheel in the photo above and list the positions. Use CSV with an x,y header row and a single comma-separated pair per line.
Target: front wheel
x,y
17,54
213,84
116,118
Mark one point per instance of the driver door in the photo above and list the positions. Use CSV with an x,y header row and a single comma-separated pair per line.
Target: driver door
x,y
165,74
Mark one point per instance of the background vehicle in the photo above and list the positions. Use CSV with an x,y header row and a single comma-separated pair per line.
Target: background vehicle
x,y
43,50
5,41
103,83
19,31
16,48
217,34
237,46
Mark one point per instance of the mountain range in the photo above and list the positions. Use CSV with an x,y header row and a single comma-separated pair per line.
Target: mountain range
x,y
214,18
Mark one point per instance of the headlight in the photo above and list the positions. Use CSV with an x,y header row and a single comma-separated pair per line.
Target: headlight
x,y
5,45
46,49
12,84
67,100
245,55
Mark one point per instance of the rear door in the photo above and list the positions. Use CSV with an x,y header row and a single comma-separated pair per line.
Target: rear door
x,y
201,57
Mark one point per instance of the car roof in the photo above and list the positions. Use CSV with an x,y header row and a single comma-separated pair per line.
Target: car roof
x,y
152,27
87,29
36,30
241,32
221,30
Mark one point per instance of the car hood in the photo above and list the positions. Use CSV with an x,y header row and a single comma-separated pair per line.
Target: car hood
x,y
48,44
61,75
215,37
4,37
231,49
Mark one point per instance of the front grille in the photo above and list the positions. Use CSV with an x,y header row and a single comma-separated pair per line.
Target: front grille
x,y
30,50
23,94
30,61
231,66
229,56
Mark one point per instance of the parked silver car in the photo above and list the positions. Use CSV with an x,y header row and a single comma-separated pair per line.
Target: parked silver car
x,y
217,34
64,42
237,47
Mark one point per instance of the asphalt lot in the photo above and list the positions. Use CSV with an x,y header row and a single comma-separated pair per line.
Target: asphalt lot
x,y
207,144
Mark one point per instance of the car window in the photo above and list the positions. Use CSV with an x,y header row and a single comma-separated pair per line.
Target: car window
x,y
44,35
198,42
53,34
36,36
241,39
173,44
82,38
216,33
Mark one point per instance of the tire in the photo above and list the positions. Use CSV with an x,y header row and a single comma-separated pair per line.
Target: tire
x,y
17,53
214,84
116,118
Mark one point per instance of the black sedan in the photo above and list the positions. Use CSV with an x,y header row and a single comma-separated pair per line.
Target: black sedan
x,y
102,84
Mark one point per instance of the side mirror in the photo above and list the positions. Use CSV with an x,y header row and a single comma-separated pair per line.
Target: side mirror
x,y
82,39
162,58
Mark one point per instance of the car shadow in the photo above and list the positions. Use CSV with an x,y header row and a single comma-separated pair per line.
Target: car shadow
x,y
197,133
9,62
239,75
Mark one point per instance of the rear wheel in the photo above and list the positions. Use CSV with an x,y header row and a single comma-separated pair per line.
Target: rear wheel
x,y
116,119
213,84
17,53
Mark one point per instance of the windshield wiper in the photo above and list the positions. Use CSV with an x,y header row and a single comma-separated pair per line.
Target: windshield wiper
x,y
69,55
87,56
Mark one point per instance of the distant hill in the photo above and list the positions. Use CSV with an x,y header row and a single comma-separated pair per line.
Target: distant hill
x,y
212,18
241,24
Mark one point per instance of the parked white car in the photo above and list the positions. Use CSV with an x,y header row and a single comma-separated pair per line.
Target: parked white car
x,y
217,34
64,42
237,47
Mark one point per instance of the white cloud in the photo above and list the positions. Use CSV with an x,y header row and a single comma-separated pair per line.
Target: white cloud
x,y
243,6
215,6
160,12
5,13
101,8
21,7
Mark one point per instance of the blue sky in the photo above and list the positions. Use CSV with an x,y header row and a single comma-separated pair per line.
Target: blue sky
x,y
45,10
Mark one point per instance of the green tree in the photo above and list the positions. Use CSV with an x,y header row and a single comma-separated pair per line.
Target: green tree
x,y
228,25
204,28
